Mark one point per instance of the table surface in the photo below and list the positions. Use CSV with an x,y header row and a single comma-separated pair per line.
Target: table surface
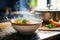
x,y
42,34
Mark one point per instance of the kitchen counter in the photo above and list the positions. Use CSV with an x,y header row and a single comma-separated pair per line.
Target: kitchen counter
x,y
44,35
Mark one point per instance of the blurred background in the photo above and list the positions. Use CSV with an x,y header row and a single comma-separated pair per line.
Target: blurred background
x,y
46,7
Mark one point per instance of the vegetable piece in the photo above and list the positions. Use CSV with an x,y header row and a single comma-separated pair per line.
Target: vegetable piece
x,y
50,26
18,21
54,22
57,25
24,21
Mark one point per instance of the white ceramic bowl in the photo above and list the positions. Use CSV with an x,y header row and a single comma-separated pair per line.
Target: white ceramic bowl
x,y
26,28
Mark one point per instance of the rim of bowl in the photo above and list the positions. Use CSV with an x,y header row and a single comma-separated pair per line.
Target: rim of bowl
x,y
26,24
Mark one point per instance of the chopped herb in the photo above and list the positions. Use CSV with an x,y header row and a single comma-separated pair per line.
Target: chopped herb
x,y
50,26
24,21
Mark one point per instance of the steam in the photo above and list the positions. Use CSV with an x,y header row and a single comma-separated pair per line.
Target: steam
x,y
25,11
24,5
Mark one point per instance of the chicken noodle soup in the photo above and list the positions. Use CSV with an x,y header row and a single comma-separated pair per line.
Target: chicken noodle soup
x,y
24,21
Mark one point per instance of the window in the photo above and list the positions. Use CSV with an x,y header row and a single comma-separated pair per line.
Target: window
x,y
42,4
58,4
54,5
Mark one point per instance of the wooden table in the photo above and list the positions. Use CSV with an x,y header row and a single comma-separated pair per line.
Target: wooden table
x,y
44,35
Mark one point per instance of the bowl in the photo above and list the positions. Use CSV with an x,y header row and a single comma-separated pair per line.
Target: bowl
x,y
26,28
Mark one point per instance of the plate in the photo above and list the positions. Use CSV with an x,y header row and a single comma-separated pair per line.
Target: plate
x,y
49,29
